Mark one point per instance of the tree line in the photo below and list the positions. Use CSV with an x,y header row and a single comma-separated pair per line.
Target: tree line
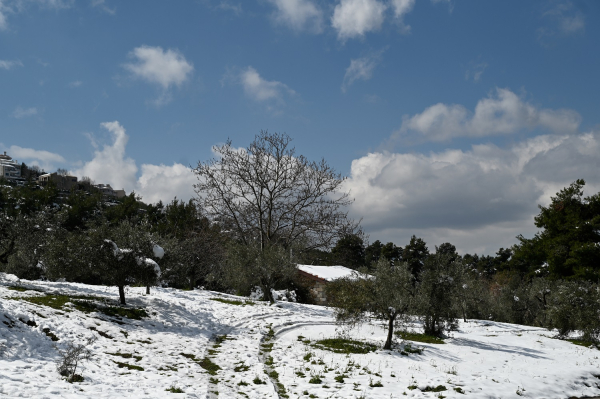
x,y
262,209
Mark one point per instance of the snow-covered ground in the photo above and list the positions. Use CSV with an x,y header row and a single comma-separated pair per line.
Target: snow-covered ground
x,y
266,351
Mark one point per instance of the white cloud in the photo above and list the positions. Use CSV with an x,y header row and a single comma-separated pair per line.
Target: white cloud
x,y
163,183
476,71
44,159
401,8
360,68
227,6
3,21
20,112
504,113
478,199
165,68
561,19
355,18
111,165
5,64
75,83
298,15
259,89
101,4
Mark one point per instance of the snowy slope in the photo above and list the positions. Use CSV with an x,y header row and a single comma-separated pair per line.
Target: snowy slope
x,y
261,350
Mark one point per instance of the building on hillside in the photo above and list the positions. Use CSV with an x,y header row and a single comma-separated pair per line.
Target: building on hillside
x,y
316,278
108,192
62,182
9,169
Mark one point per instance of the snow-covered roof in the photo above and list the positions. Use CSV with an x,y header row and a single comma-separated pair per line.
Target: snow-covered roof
x,y
329,273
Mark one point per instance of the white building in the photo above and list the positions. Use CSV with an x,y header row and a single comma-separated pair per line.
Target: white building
x,y
109,192
9,169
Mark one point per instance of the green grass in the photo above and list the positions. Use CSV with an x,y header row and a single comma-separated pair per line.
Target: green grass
x,y
128,366
439,388
241,367
418,337
340,378
174,389
233,301
315,379
258,381
376,384
84,303
22,289
459,390
50,334
342,345
580,342
209,366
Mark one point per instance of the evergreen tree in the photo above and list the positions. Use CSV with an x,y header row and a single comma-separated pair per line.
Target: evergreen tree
x,y
415,254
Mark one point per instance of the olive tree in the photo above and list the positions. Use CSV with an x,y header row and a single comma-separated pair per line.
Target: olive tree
x,y
388,295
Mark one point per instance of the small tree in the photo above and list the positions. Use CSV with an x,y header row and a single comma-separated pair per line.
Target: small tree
x,y
414,254
72,357
122,255
248,266
387,295
439,280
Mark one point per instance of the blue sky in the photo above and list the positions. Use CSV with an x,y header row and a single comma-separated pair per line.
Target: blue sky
x,y
451,119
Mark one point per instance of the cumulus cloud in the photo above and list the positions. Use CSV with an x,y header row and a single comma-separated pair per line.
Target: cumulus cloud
x,y
361,69
111,165
478,199
20,112
502,113
260,89
298,15
163,68
355,18
163,183
5,64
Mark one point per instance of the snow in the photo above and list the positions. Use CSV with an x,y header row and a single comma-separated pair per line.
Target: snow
x,y
329,273
484,359
159,252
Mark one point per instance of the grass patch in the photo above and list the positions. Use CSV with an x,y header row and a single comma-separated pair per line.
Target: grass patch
x,y
50,334
376,384
174,389
459,390
258,381
315,379
580,342
209,366
128,366
340,378
84,303
125,355
241,367
233,302
22,289
342,345
439,388
243,383
189,356
418,337
101,333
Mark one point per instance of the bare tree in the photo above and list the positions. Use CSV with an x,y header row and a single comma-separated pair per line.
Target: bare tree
x,y
72,357
267,193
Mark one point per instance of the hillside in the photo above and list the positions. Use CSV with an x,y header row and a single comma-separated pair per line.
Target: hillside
x,y
208,344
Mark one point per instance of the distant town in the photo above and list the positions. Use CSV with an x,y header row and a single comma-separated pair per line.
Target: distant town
x,y
20,174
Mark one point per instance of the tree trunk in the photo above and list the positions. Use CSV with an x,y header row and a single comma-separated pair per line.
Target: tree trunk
x,y
147,290
122,294
388,342
268,295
